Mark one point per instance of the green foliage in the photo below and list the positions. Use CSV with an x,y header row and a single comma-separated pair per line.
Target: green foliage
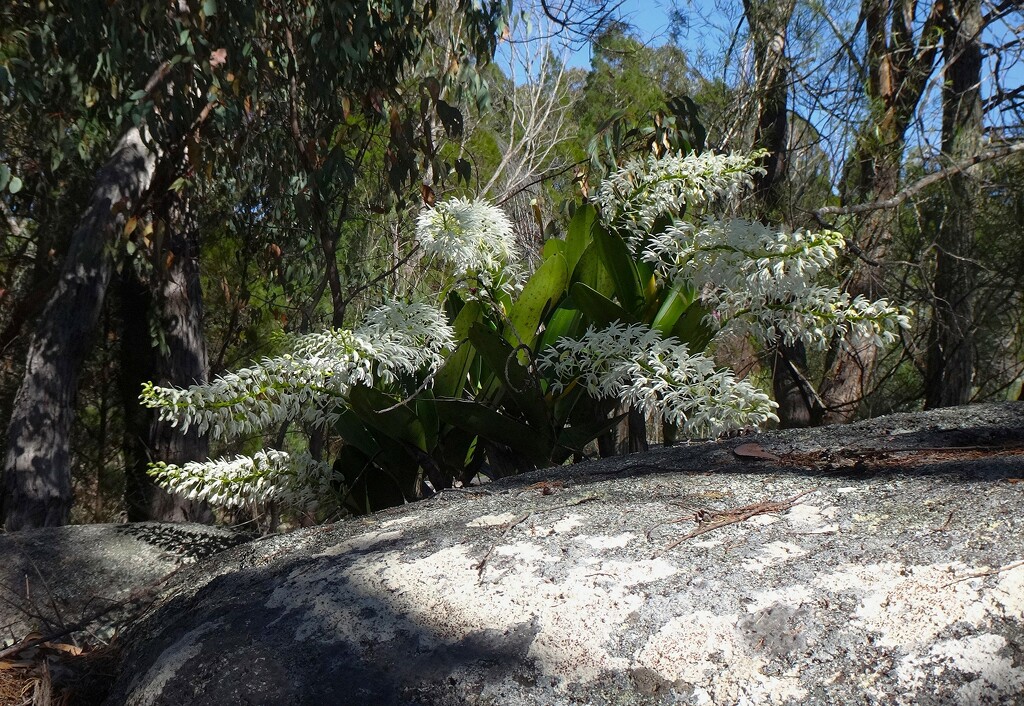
x,y
629,79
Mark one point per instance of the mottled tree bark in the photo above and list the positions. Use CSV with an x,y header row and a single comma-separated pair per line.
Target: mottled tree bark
x,y
950,362
170,299
769,24
37,467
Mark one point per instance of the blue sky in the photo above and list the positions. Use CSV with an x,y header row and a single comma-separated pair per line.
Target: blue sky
x,y
650,19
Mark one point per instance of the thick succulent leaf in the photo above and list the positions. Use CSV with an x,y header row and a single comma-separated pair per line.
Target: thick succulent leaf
x,y
563,321
456,450
353,431
519,386
451,378
400,423
691,329
574,438
620,264
597,308
591,271
677,300
369,487
427,416
552,247
543,291
580,234
495,427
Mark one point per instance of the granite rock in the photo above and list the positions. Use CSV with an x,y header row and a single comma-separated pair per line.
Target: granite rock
x,y
56,577
880,562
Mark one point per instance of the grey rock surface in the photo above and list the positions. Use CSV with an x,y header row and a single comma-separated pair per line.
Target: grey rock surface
x,y
886,567
58,576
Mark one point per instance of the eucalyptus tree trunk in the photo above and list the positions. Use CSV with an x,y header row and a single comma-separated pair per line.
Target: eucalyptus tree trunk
x,y
37,466
169,301
950,363
898,65
769,24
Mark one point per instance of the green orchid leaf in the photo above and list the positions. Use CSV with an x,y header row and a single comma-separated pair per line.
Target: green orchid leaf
x,y
677,300
573,439
450,380
369,486
563,321
580,234
518,385
621,266
495,427
398,422
598,309
552,247
353,431
591,271
692,330
543,290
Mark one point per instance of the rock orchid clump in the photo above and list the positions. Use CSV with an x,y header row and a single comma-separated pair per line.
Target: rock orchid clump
x,y
619,313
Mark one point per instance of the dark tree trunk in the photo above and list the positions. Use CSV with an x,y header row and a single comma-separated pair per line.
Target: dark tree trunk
x,y
769,25
851,362
37,467
950,363
798,401
172,300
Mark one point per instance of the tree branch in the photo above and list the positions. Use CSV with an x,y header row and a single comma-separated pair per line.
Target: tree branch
x,y
918,185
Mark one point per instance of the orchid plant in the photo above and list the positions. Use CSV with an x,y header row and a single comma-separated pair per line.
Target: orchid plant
x,y
618,314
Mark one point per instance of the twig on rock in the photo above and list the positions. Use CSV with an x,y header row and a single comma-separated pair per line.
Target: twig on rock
x,y
983,574
714,519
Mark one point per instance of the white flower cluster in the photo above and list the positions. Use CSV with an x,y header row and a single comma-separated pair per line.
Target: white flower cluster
x,y
736,254
763,281
634,364
309,383
295,480
637,195
814,315
472,237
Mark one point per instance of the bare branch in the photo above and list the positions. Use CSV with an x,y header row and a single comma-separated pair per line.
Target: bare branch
x,y
919,185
